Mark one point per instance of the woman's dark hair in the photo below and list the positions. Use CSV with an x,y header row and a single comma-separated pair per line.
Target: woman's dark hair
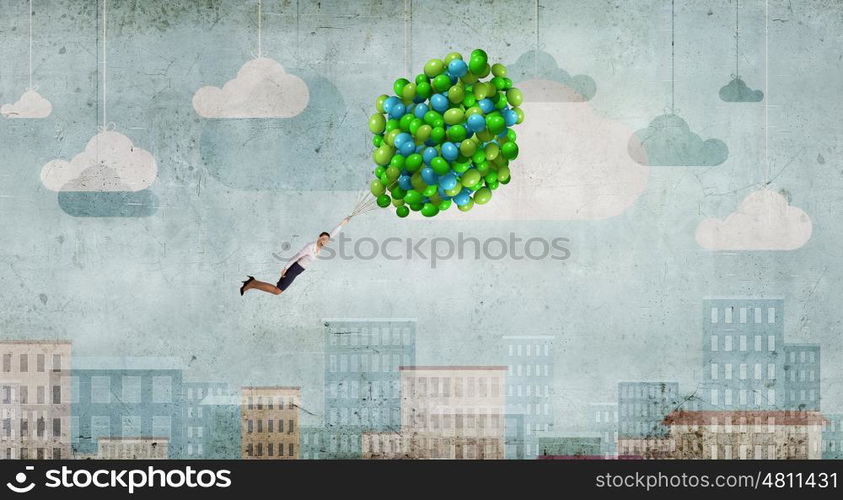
x,y
325,233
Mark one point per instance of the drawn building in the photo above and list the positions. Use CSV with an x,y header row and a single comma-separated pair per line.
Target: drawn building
x,y
127,398
447,412
642,407
362,380
269,423
529,376
832,448
314,443
603,419
35,395
132,448
745,434
802,376
212,420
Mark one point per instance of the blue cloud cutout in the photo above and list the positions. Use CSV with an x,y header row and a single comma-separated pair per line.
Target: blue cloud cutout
x,y
668,141
737,91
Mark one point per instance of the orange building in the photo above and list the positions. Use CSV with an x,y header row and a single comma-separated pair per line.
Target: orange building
x,y
269,423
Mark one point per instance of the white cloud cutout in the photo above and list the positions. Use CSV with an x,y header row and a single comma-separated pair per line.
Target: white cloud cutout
x,y
573,163
30,105
763,221
262,89
110,162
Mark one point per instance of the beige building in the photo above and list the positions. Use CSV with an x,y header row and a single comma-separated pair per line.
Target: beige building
x,y
34,399
269,423
132,448
752,434
450,412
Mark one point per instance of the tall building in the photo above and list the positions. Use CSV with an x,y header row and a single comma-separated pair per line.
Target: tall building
x,y
450,412
833,437
745,434
362,380
221,418
802,376
35,395
127,398
746,363
529,363
603,419
269,423
199,417
314,443
642,407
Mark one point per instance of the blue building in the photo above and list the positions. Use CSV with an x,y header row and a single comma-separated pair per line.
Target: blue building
x,y
642,407
529,361
362,380
126,397
314,443
832,447
603,419
746,363
212,420
802,376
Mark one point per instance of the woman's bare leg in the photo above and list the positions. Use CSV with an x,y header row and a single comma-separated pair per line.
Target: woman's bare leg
x,y
262,286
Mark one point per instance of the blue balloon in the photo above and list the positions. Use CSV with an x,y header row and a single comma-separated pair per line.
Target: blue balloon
x,y
397,110
429,176
510,117
462,198
420,148
448,181
486,105
402,138
450,151
404,182
457,67
429,154
439,102
442,193
453,77
476,122
389,102
407,148
420,110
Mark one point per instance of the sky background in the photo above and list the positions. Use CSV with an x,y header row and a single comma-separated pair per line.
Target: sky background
x,y
626,305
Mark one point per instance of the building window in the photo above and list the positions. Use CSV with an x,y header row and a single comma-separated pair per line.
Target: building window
x,y
100,389
714,315
714,371
743,314
729,314
56,362
161,426
74,389
100,427
727,371
771,315
132,389
715,397
771,397
292,450
771,343
714,343
7,363
758,347
24,362
743,343
758,315
727,343
39,363
56,394
771,371
742,373
131,426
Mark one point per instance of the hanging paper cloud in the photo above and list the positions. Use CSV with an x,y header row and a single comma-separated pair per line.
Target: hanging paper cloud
x,y
262,89
30,105
737,91
539,65
668,141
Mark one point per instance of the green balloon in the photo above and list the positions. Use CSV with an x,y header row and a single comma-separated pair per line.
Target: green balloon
x,y
510,134
397,193
379,171
481,91
415,207
392,173
398,161
503,174
495,123
506,181
470,178
485,135
383,154
492,150
455,191
468,78
429,210
423,133
485,71
467,206
473,110
444,205
391,125
440,122
383,201
434,67
377,123
510,150
499,70
399,84
442,82
456,133
520,113
477,61
422,78
413,162
431,116
456,94
468,147
383,180
499,83
379,102
508,83
437,134
423,90
409,91
478,157
415,123
493,185
412,197
430,190
483,195
460,167
491,177
500,101
454,116
389,138
377,188
450,57
402,211
405,121
469,100
417,182
377,140
514,97
440,165
396,202
482,168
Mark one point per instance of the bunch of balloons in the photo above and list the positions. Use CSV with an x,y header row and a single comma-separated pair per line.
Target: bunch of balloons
x,y
445,137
